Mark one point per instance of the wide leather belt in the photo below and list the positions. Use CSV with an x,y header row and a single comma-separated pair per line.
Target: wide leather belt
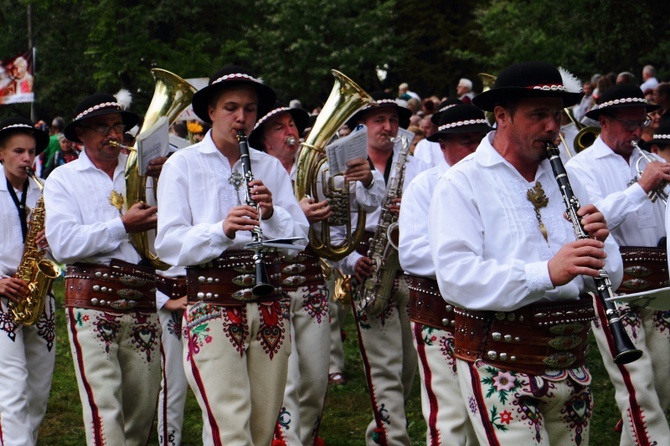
x,y
120,286
172,287
229,279
533,339
644,268
300,270
426,305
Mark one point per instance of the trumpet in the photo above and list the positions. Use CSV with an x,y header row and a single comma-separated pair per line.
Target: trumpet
x,y
659,192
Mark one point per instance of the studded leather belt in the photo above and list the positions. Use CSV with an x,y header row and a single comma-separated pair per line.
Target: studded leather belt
x,y
426,305
644,268
172,287
120,286
300,270
533,339
229,279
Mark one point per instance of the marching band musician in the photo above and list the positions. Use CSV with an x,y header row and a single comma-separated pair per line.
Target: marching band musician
x,y
385,339
170,306
606,169
110,303
460,130
277,133
27,352
237,344
507,260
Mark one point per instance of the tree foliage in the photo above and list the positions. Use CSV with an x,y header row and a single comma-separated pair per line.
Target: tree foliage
x,y
85,46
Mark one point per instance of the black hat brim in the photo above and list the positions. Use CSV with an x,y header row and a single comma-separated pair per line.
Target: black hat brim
x,y
201,99
490,98
300,118
474,128
41,137
596,113
403,115
129,119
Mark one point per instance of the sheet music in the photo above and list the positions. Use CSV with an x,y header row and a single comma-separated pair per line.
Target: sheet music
x,y
343,150
152,143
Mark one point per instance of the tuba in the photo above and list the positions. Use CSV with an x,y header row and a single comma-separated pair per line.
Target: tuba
x,y
345,99
38,272
172,95
487,82
585,138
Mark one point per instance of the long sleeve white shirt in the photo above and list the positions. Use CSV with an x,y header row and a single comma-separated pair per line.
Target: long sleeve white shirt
x,y
10,225
413,167
430,153
485,239
195,194
413,244
632,218
81,223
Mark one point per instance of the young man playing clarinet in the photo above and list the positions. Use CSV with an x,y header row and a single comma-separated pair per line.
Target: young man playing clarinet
x,y
237,343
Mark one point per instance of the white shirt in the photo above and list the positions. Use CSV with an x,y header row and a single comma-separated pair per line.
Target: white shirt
x,y
632,218
413,244
195,194
485,238
413,167
430,153
10,225
81,223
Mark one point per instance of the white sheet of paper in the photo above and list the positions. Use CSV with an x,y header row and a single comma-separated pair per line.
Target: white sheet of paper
x,y
152,143
343,150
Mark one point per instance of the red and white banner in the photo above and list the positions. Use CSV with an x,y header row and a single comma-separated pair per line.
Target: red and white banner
x,y
16,79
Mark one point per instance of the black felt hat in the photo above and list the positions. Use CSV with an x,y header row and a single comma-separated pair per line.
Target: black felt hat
x,y
530,80
661,135
23,125
228,77
99,104
620,96
300,118
463,118
447,103
382,99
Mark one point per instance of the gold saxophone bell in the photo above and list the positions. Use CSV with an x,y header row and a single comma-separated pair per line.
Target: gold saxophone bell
x,y
172,95
346,98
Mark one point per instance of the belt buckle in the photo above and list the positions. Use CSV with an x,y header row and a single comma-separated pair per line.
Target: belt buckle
x,y
123,304
559,360
244,295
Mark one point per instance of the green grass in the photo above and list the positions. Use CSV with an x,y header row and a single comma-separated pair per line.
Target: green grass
x,y
345,418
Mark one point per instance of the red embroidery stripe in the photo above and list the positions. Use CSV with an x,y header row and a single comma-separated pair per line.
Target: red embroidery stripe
x,y
638,425
428,379
366,366
164,391
481,405
210,417
79,363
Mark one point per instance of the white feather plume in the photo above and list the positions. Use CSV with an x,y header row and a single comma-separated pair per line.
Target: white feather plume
x,y
124,98
571,83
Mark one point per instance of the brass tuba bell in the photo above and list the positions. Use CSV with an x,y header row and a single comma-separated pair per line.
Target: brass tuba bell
x,y
346,98
585,138
172,95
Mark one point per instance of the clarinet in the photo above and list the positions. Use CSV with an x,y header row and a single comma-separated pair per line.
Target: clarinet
x,y
263,287
624,350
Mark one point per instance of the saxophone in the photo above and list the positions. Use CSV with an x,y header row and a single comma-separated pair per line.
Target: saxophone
x,y
34,269
376,290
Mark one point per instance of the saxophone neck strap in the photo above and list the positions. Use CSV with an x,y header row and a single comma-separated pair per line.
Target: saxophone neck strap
x,y
20,205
